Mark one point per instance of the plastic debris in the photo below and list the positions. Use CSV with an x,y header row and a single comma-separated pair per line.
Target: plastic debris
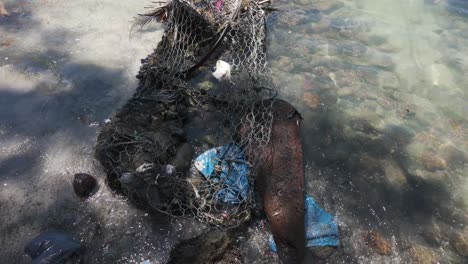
x,y
321,227
223,70
227,164
218,4
53,248
156,122
272,244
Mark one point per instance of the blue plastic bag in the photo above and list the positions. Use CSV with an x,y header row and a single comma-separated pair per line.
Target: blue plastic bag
x,y
52,248
228,164
233,172
320,226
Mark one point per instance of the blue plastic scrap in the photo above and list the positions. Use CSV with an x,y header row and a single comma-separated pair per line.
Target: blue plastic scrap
x,y
227,164
52,248
233,172
321,227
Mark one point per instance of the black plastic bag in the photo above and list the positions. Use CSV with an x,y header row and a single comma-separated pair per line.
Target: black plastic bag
x,y
54,248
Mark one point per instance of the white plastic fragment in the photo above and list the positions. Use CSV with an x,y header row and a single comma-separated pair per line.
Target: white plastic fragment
x,y
169,169
145,167
222,70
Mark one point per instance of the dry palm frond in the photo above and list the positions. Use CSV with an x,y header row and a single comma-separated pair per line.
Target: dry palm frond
x,y
158,14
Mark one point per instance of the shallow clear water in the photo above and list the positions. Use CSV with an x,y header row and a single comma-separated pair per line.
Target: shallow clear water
x,y
382,89
381,86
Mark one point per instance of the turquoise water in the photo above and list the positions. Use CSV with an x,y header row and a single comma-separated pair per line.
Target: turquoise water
x,y
381,86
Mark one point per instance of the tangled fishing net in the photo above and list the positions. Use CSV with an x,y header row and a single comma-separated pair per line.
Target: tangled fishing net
x,y
147,148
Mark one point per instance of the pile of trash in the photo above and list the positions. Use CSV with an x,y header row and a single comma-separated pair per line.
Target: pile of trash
x,y
148,148
145,148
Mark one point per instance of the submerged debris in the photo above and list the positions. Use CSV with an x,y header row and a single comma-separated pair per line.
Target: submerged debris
x,y
223,70
146,148
54,248
459,241
211,247
378,243
137,145
423,255
432,235
432,162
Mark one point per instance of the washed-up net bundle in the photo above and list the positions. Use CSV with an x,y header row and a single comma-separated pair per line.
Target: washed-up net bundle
x,y
142,147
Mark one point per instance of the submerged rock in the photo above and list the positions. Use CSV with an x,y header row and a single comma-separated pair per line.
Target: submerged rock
x,y
352,49
327,6
459,242
183,158
207,248
433,176
378,243
364,163
3,11
369,75
284,63
319,27
348,91
422,255
399,135
353,28
206,85
371,40
209,139
312,100
291,19
389,80
380,60
84,184
329,97
395,175
405,111
432,235
7,42
432,162
323,50
453,155
322,252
